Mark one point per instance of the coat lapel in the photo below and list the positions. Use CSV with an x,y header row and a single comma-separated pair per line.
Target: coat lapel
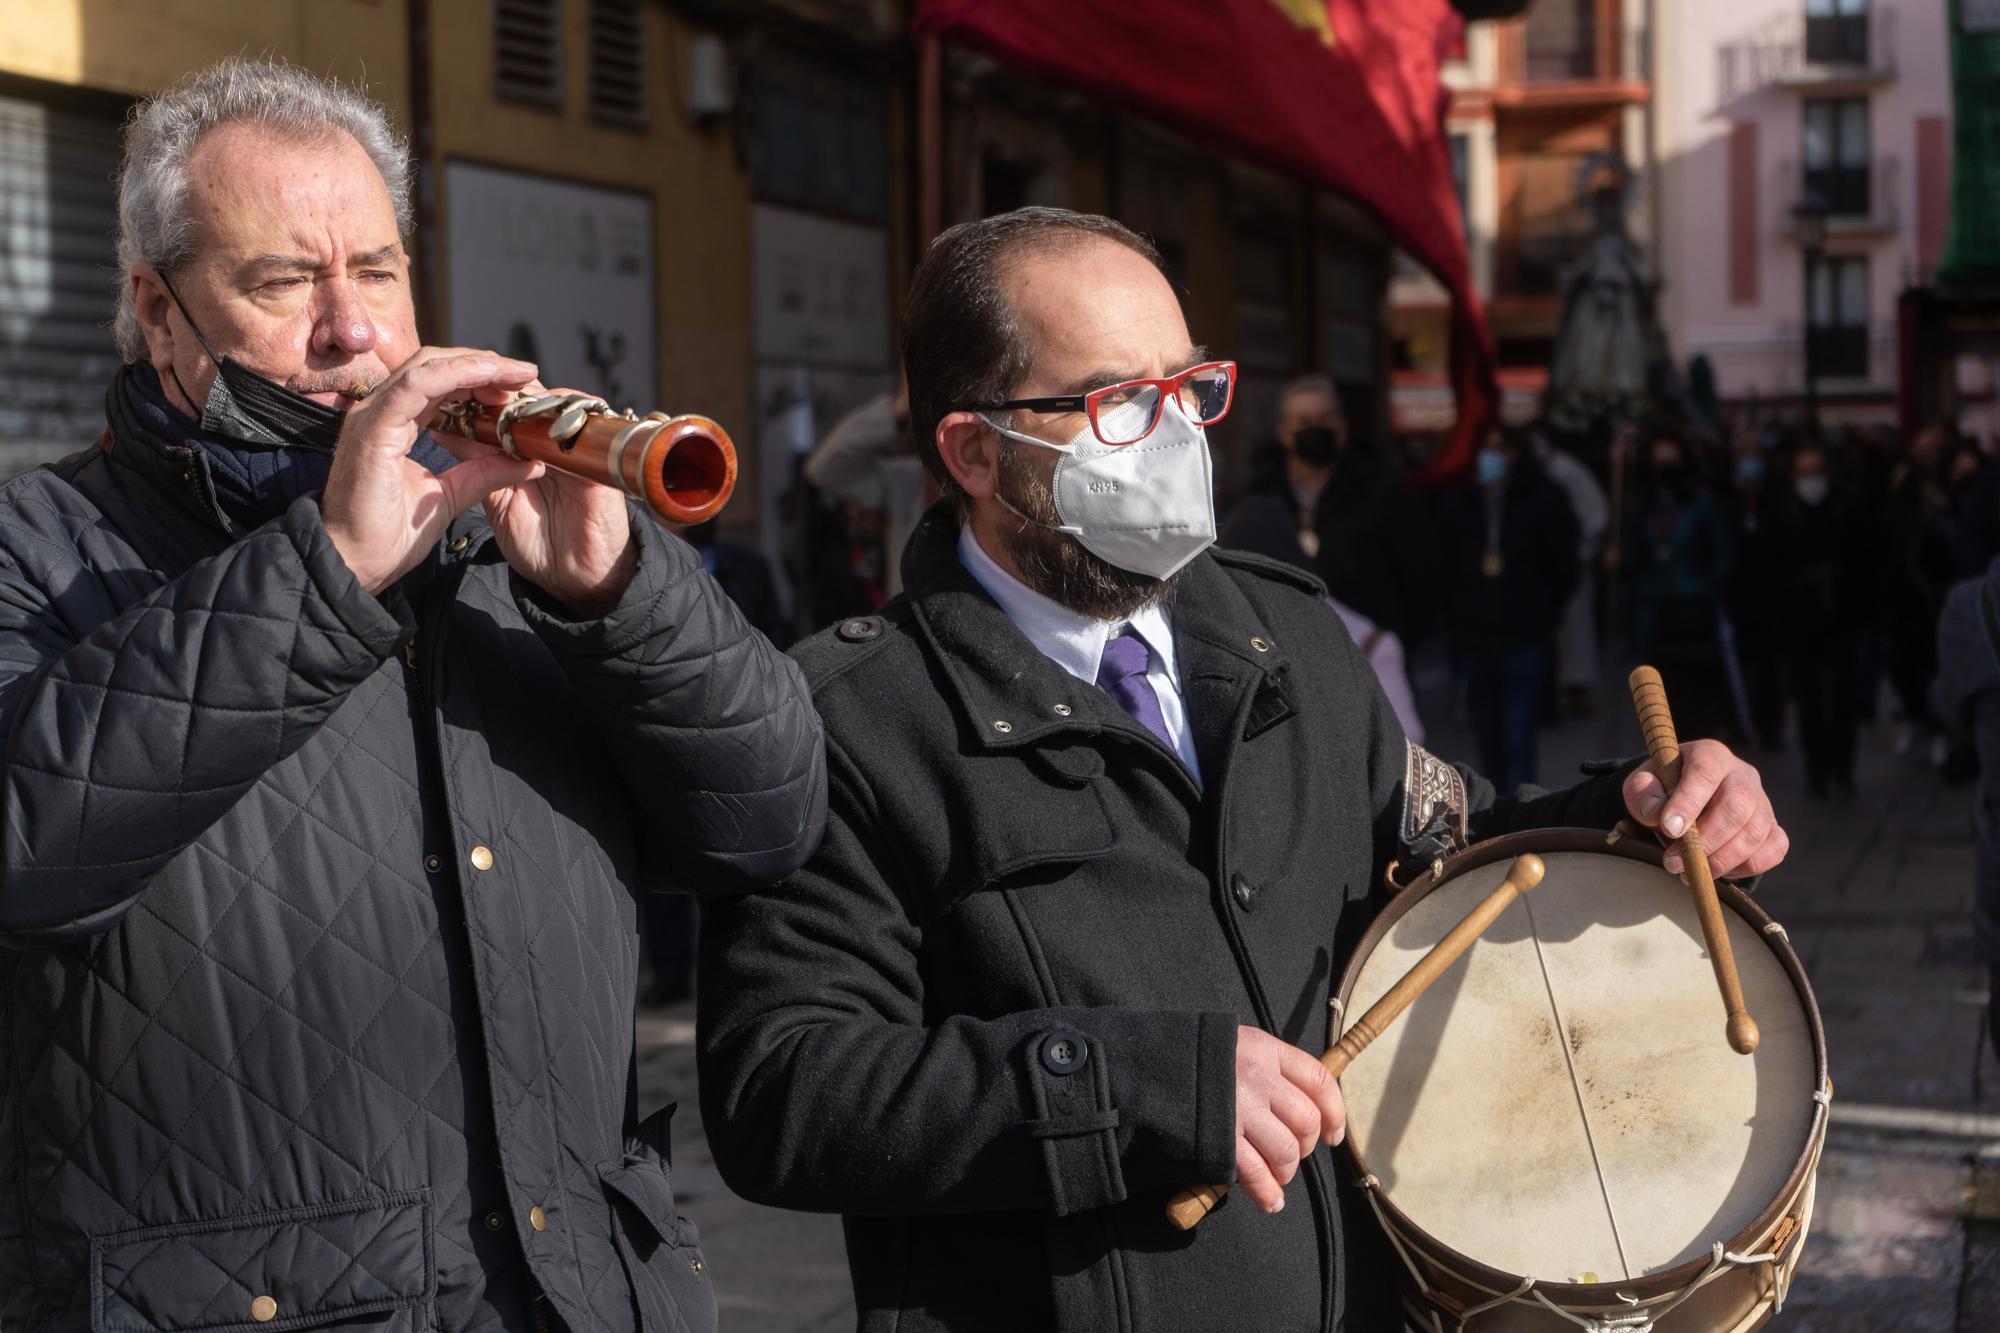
x,y
1232,667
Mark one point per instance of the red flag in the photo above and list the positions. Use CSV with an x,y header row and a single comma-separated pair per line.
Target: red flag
x,y
1342,92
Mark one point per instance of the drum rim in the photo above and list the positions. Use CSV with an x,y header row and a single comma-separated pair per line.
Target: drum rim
x,y
1598,842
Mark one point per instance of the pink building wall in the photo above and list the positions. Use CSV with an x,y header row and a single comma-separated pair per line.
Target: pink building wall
x,y
1729,141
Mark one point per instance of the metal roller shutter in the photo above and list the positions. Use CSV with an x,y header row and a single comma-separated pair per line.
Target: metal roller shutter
x,y
58,272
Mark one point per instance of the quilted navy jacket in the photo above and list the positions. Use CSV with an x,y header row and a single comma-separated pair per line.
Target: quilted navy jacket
x,y
319,914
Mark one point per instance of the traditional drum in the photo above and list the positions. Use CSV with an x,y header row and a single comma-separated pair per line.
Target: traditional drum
x,y
1555,1134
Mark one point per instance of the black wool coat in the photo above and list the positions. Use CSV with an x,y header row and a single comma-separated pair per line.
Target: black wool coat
x,y
318,913
993,1021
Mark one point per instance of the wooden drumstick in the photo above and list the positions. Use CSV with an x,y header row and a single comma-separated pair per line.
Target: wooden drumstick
x,y
1649,696
1191,1205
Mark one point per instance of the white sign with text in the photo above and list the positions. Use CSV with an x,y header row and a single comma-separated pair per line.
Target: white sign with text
x,y
557,273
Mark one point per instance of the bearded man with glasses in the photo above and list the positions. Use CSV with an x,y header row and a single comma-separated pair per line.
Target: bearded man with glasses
x,y
1108,809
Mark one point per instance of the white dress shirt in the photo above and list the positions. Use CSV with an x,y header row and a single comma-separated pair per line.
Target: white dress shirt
x,y
1075,642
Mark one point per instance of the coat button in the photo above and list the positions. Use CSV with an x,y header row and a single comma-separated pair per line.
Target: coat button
x,y
1246,893
263,1309
860,629
459,543
1062,710
494,1221
1260,643
434,863
1065,1052
697,1265
538,1219
1003,726
482,858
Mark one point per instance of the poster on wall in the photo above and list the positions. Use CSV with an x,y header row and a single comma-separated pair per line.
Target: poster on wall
x,y
822,290
556,273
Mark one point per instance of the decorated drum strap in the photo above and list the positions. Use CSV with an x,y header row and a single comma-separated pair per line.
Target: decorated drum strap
x,y
1434,803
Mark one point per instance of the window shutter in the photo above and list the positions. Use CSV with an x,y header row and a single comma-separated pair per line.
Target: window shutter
x,y
618,62
527,51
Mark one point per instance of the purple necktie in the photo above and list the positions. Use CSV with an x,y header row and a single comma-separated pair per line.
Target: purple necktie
x,y
1122,674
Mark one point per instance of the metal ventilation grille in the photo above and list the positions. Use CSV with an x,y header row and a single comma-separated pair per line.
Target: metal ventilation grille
x,y
617,62
527,51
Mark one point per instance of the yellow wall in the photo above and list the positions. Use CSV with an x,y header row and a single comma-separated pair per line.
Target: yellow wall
x,y
701,200
139,46
700,192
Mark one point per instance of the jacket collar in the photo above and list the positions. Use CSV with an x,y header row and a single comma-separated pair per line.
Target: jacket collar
x,y
1073,641
1010,695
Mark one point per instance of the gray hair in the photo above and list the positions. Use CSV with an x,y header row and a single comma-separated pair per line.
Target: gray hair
x,y
163,132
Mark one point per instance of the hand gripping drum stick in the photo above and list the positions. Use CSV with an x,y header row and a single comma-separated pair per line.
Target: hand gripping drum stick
x,y
1191,1205
1649,696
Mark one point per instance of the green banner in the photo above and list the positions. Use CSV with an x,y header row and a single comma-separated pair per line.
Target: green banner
x,y
1972,252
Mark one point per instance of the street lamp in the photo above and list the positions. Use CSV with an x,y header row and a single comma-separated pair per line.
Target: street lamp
x,y
1809,225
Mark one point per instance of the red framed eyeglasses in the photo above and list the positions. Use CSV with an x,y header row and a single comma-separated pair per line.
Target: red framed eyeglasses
x,y
1126,413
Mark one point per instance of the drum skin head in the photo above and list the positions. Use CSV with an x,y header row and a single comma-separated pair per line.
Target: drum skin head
x,y
1562,1104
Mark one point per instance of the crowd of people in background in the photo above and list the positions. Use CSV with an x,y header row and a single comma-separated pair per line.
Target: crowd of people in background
x,y
1788,580
1793,581
1780,576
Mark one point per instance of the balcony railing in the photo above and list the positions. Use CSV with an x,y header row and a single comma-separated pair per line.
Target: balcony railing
x,y
1802,52
1860,197
1579,55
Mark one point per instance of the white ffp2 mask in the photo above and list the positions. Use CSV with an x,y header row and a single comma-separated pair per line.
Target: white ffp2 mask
x,y
1148,507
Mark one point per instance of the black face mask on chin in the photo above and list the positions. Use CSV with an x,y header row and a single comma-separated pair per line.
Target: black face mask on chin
x,y
1316,446
245,407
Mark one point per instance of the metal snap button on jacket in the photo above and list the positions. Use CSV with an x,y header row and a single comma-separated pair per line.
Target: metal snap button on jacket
x,y
494,1221
538,1219
860,629
263,1309
434,863
1065,1052
459,543
482,858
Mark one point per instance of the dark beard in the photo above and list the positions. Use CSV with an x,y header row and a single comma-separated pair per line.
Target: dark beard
x,y
1057,566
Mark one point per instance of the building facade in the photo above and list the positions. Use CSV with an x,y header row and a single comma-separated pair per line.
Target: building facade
x,y
1540,104
1804,175
697,205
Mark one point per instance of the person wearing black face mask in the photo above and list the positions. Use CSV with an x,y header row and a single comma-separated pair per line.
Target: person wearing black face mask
x,y
331,759
1334,510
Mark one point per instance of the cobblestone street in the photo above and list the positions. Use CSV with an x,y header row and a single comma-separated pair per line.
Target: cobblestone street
x,y
1906,1234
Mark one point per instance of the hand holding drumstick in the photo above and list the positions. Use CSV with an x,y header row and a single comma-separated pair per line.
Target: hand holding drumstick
x,y
1191,1205
1649,696
1721,793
